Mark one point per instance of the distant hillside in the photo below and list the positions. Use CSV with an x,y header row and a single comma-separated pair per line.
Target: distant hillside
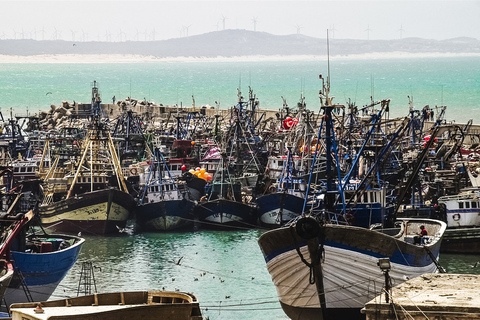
x,y
231,43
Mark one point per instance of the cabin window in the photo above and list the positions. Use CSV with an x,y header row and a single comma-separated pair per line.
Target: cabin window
x,y
29,169
460,205
89,180
95,179
474,205
365,197
467,205
23,169
280,163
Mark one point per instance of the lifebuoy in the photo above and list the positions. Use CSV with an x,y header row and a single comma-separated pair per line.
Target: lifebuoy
x,y
456,216
133,171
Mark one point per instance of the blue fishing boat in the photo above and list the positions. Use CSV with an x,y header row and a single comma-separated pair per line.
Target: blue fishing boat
x,y
286,202
165,204
40,260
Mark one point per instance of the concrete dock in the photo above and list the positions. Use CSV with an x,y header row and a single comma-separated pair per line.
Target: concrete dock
x,y
430,296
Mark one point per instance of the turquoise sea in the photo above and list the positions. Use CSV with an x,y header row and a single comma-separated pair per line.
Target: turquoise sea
x,y
226,270
434,81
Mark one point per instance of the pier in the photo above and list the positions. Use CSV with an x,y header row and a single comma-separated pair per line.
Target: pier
x,y
429,296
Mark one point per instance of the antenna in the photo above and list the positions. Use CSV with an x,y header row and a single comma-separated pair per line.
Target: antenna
x,y
372,89
328,62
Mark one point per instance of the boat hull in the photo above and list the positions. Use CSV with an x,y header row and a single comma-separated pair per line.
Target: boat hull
x,y
225,214
98,212
42,271
165,215
276,209
351,276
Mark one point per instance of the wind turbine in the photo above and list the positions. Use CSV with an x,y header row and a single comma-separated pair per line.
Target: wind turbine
x,y
43,33
154,33
73,34
333,31
298,28
401,31
186,29
254,20
368,32
223,21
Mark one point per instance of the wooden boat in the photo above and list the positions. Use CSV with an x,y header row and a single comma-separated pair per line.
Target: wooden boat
x,y
224,208
40,261
145,305
285,203
93,196
346,275
164,206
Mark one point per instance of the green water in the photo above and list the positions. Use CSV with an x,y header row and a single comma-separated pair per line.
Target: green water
x,y
224,269
454,82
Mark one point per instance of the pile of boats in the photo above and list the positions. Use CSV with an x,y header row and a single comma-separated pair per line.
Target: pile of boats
x,y
347,181
183,169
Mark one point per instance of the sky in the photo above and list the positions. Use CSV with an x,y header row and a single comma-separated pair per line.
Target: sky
x,y
159,20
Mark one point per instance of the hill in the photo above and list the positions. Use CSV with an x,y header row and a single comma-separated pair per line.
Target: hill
x,y
234,43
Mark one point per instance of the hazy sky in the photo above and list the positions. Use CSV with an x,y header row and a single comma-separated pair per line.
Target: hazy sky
x,y
157,20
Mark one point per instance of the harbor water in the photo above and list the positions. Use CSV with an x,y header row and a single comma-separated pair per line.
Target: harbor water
x,y
226,269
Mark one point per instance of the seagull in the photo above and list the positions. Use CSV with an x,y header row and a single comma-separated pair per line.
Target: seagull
x,y
79,234
178,262
48,93
475,265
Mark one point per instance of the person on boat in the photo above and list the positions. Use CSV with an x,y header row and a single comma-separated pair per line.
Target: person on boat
x,y
420,239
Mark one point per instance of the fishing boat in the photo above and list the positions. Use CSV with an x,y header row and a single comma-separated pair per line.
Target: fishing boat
x,y
285,203
148,305
40,260
92,196
334,267
462,214
324,268
165,204
224,207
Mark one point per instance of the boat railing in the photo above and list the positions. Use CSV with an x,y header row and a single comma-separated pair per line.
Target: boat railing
x,y
456,197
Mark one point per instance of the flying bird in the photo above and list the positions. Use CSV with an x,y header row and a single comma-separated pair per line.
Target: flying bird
x,y
48,93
